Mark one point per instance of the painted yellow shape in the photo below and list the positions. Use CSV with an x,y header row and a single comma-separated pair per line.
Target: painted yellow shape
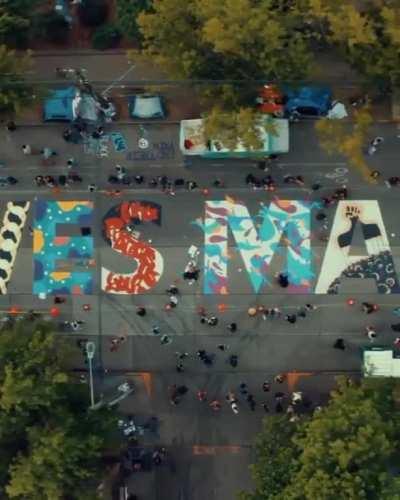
x,y
67,206
38,241
60,275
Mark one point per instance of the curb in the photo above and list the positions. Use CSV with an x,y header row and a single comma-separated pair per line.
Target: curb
x,y
117,123
79,52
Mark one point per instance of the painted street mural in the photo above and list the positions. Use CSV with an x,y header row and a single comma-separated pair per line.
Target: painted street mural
x,y
120,226
63,246
10,237
338,262
284,220
52,251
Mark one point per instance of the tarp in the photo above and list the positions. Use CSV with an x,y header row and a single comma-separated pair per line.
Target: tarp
x,y
318,98
86,107
380,362
146,106
58,107
71,103
337,112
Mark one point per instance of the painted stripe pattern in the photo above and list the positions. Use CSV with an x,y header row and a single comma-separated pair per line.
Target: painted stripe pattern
x,y
10,238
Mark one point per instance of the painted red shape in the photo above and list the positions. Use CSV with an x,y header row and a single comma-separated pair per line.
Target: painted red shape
x,y
149,263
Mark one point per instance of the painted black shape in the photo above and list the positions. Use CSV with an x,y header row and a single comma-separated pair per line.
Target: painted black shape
x,y
379,267
22,204
15,219
9,235
345,239
370,231
5,255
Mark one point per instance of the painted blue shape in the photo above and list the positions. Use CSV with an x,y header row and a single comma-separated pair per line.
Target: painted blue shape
x,y
119,142
51,247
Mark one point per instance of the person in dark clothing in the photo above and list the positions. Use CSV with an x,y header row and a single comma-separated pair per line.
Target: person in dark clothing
x,y
283,280
250,179
243,389
369,308
141,311
233,360
232,327
11,127
339,344
291,318
393,181
395,327
139,179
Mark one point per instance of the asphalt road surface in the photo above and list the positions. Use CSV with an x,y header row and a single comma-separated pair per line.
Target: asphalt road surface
x,y
210,450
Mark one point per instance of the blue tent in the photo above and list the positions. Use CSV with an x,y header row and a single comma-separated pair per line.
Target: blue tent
x,y
313,101
58,107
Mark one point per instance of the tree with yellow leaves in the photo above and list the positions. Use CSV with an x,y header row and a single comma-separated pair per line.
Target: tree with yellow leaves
x,y
230,128
348,139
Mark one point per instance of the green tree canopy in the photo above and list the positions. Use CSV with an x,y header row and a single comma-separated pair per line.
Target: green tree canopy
x,y
230,127
16,19
348,139
229,39
51,442
368,33
343,452
15,92
276,458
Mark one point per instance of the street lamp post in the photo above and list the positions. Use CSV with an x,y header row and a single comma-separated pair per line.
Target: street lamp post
x,y
90,349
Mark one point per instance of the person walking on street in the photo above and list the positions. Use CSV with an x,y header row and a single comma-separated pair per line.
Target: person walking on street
x,y
11,127
369,308
266,386
291,318
235,407
223,347
339,344
233,360
232,327
243,389
280,378
251,401
202,395
212,321
297,397
165,339
215,405
141,311
371,333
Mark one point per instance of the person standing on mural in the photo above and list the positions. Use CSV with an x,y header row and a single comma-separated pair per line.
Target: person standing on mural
x,y
283,280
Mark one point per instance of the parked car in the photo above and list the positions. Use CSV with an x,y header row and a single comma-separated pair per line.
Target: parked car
x,y
146,106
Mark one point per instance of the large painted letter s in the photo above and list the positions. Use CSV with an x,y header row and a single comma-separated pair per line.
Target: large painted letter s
x,y
118,231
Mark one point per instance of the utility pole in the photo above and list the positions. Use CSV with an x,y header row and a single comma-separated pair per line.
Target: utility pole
x,y
90,349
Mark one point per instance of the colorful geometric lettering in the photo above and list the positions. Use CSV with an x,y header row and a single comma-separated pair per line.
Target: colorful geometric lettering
x,y
52,250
